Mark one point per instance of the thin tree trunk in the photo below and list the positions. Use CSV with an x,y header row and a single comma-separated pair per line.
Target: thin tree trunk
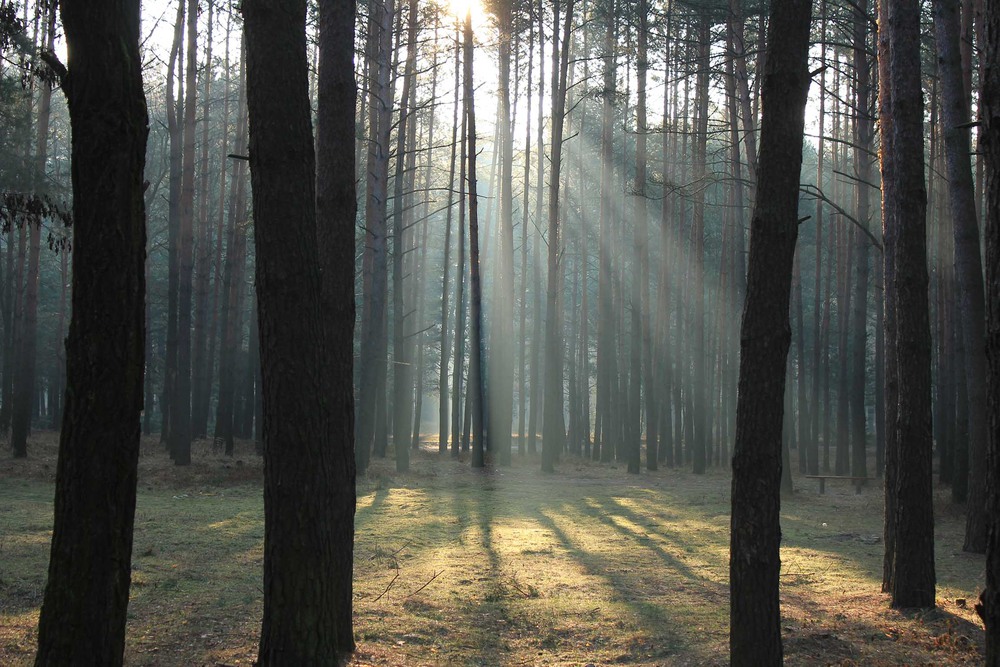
x,y
554,431
475,293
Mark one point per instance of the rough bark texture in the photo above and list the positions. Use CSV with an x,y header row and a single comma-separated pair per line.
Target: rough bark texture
x,y
84,609
307,437
754,563
989,114
909,495
336,211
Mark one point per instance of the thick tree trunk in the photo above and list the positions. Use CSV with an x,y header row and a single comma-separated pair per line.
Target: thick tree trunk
x,y
305,288
989,115
336,213
754,563
84,609
909,491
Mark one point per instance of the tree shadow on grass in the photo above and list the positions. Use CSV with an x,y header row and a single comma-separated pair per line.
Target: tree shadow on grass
x,y
664,628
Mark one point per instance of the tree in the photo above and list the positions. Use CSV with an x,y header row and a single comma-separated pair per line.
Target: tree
x,y
989,115
84,609
180,403
24,382
371,392
968,259
476,390
754,563
305,312
553,429
909,493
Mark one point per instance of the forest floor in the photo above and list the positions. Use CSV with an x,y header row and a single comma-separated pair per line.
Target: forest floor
x,y
506,566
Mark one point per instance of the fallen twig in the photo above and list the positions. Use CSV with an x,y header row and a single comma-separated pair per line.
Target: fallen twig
x,y
426,584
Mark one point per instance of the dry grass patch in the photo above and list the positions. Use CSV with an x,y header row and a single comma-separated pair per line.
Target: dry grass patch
x,y
498,567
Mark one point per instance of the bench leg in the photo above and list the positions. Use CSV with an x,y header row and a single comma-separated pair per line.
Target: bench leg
x,y
822,486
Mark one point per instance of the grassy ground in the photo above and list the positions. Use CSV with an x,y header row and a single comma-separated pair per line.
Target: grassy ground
x,y
505,567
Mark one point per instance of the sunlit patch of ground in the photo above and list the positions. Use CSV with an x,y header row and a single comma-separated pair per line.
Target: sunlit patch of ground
x,y
499,567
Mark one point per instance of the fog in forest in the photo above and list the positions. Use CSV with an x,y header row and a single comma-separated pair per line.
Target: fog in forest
x,y
574,218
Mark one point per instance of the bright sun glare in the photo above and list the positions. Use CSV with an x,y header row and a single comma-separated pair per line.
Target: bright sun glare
x,y
461,7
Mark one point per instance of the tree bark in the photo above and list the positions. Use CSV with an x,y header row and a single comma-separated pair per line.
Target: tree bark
x,y
754,563
305,279
909,492
989,143
84,609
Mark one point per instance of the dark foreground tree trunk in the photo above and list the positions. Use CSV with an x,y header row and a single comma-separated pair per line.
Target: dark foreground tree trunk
x,y
755,620
909,491
989,111
306,366
83,613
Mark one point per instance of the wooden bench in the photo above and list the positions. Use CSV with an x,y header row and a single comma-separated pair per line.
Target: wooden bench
x,y
858,481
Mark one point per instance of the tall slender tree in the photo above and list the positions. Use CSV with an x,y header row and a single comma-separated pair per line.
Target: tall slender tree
x,y
909,492
754,563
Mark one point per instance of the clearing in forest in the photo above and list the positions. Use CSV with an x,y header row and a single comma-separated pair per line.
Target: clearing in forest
x,y
499,567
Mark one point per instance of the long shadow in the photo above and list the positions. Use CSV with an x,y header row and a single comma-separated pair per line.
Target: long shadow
x,y
655,619
604,514
489,615
363,514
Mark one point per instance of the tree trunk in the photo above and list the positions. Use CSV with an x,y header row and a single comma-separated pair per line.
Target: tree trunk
x,y
754,563
443,418
201,362
84,609
180,404
700,394
501,385
24,383
402,371
173,220
305,289
968,260
373,325
554,430
475,293
989,115
864,129
232,283
909,490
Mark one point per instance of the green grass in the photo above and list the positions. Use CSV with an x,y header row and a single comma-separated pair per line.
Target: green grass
x,y
503,567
